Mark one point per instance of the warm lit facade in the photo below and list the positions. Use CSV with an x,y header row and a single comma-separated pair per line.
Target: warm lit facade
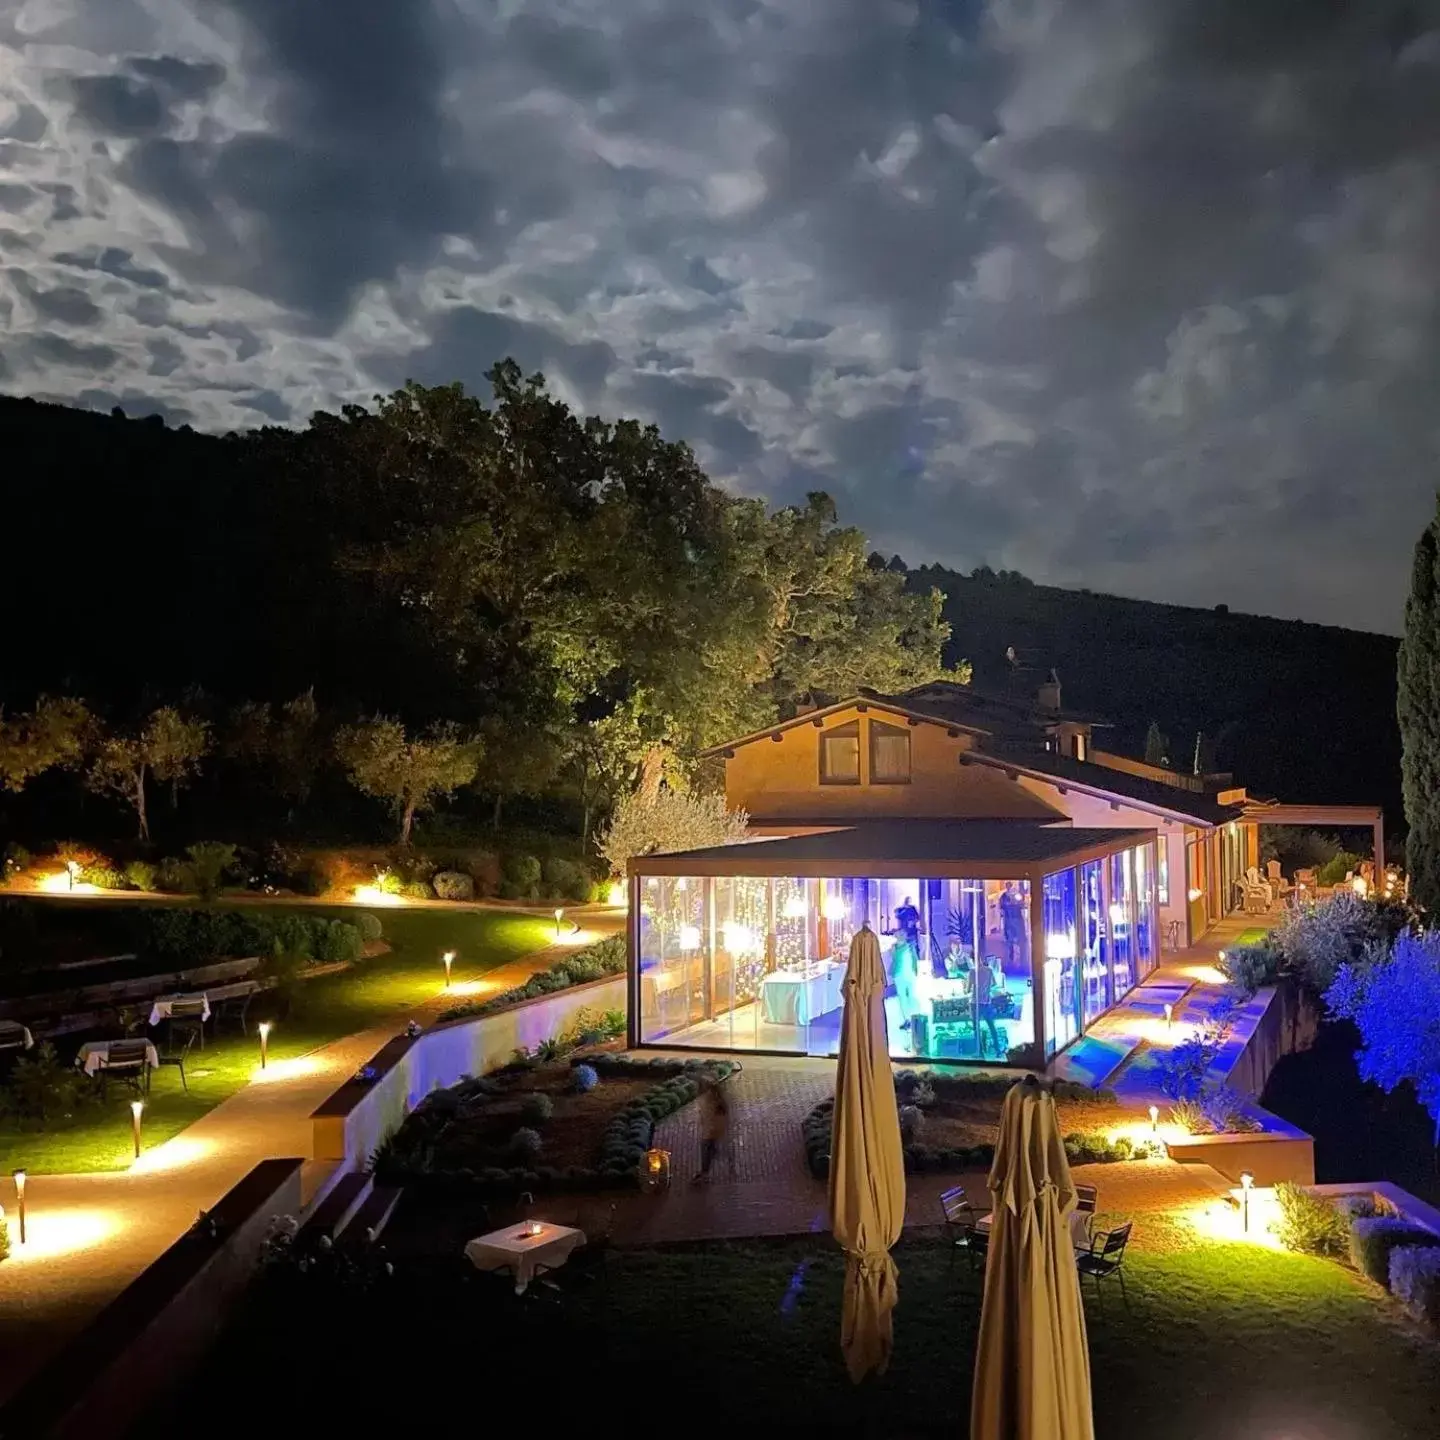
x,y
1022,879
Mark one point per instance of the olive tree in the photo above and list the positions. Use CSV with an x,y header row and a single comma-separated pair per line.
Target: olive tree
x,y
411,773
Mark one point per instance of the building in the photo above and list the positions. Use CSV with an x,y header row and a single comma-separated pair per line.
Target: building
x,y
1022,878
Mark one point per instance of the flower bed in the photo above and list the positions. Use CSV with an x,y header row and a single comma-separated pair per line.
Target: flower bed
x,y
594,962
581,1125
950,1123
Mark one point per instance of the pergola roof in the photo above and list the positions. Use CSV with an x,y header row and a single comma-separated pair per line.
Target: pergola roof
x,y
985,849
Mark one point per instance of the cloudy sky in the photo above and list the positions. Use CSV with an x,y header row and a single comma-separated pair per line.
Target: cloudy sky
x,y
1132,294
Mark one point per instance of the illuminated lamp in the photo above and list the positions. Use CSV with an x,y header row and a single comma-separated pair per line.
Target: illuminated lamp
x,y
689,937
264,1028
137,1108
1060,945
1169,1015
615,895
737,939
655,1171
449,958
1246,1181
559,916
1195,894
794,908
833,908
20,1200
1154,1119
1360,885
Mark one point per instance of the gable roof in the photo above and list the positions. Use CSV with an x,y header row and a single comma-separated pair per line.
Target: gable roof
x,y
1100,781
866,700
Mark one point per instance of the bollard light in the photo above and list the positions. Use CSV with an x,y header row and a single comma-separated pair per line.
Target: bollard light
x,y
1154,1119
137,1108
264,1029
1169,1015
72,869
20,1200
559,916
1246,1181
449,958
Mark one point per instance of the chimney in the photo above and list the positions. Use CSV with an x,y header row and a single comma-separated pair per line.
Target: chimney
x,y
1048,696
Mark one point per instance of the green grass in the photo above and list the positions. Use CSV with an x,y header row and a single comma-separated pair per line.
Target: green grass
x,y
373,992
1252,936
1222,1341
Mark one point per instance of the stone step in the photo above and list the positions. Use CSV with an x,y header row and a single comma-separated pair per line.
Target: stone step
x,y
337,1209
371,1218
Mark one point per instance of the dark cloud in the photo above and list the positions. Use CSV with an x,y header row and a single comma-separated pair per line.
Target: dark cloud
x,y
56,349
1142,295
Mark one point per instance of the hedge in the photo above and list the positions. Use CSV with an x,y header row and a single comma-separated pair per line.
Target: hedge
x,y
1415,1280
189,934
594,962
1372,1238
405,1158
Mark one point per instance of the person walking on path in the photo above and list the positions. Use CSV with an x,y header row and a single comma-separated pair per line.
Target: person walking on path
x,y
714,1126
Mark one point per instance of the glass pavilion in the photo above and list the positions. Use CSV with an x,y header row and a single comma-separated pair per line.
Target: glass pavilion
x,y
1003,941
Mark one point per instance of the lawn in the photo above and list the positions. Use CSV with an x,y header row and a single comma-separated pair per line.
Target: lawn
x,y
1223,1340
377,990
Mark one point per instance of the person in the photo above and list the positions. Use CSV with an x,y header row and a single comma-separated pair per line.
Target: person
x,y
958,965
1012,924
714,1126
907,924
905,960
985,985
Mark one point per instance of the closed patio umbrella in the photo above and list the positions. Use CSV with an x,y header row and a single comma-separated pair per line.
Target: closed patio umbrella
x,y
867,1164
1032,1360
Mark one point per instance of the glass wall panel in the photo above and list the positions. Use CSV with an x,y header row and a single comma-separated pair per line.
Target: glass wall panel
x,y
673,956
1062,994
1095,955
1122,922
1147,938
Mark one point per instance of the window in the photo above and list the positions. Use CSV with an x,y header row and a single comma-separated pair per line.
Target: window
x,y
840,755
1164,870
1082,745
889,754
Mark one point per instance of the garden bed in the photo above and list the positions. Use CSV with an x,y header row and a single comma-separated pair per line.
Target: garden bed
x,y
578,1124
952,1122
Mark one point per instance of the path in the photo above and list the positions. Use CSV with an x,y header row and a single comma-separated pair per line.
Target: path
x,y
90,1235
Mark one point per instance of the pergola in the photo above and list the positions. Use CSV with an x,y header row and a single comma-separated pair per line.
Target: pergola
x,y
1343,817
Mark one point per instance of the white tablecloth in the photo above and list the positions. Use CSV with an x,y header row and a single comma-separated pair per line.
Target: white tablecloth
x,y
796,997
92,1055
164,1004
516,1250
1079,1227
14,1036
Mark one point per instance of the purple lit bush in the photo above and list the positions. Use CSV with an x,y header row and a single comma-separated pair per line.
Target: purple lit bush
x,y
1415,1280
1372,1239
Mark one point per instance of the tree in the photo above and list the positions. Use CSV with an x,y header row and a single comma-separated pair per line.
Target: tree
x,y
1418,711
657,820
287,744
1156,746
516,758
411,774
168,747
55,733
1393,996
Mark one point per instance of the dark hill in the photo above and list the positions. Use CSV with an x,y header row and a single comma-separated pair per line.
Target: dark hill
x,y
1299,711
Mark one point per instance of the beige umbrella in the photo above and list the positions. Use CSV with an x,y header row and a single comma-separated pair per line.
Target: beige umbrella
x,y
867,1164
1032,1361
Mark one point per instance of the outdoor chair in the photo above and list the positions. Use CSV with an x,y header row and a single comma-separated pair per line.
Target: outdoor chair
x,y
130,1060
961,1230
1106,1258
178,1045
1087,1197
186,1024
232,1003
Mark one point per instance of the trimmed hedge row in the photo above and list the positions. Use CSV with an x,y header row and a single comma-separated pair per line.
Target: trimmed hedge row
x,y
188,934
817,1126
594,962
407,1156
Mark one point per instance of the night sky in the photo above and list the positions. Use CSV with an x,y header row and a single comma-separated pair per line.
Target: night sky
x,y
1139,296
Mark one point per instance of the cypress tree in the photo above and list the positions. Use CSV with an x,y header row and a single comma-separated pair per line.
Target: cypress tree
x,y
1418,709
1155,744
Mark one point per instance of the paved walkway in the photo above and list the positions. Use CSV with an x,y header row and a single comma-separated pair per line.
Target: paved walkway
x,y
88,1236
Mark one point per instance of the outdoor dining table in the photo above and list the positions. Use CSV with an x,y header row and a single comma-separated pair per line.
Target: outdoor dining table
x,y
524,1249
165,1004
1079,1227
15,1036
93,1054
796,997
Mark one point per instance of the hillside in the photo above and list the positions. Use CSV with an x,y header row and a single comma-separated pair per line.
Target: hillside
x,y
1302,712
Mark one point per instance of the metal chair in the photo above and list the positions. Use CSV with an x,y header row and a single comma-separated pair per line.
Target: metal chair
x,y
961,1226
1086,1199
130,1060
1106,1258
232,1002
187,1019
177,1047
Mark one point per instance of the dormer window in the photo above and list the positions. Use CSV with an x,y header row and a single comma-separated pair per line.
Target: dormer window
x,y
840,755
1082,745
889,754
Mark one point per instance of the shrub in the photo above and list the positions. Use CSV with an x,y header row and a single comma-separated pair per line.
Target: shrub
x,y
211,861
417,890
142,875
912,1123
336,940
369,926
1317,940
536,1109
1372,1238
177,877
1310,1223
566,880
1338,866
607,954
584,1079
1182,1071
1249,967
1218,1111
526,1143
453,885
42,1092
102,877
1415,1280
520,877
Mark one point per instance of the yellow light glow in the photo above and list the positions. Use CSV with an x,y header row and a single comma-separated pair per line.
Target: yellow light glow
x,y
374,895
1360,886
471,987
60,883
615,896
1195,895
49,1233
737,939
578,937
174,1154
794,908
833,909
689,937
280,1070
